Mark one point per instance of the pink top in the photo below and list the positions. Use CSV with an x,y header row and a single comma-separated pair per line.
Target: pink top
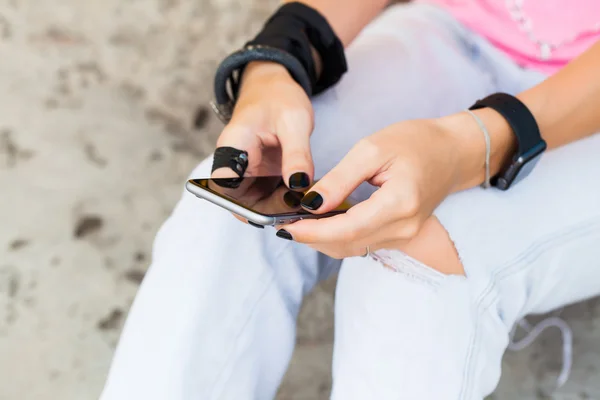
x,y
539,34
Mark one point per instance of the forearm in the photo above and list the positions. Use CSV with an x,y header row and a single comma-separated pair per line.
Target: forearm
x,y
346,17
566,107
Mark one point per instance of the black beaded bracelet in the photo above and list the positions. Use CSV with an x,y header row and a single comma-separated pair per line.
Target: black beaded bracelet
x,y
286,39
228,75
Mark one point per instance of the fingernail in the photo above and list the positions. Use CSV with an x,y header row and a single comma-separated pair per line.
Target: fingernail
x,y
282,233
255,225
292,199
312,201
299,180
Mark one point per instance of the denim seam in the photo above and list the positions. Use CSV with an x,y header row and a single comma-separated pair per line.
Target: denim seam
x,y
501,273
474,342
533,252
251,312
573,232
466,372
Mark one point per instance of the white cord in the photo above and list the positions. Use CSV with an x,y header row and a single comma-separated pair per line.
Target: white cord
x,y
488,148
535,331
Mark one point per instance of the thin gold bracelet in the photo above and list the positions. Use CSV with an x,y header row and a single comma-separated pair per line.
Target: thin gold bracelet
x,y
488,148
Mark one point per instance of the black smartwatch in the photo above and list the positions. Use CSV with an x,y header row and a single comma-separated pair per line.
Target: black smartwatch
x,y
530,144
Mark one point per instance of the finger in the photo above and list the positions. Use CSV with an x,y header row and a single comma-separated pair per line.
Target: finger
x,y
360,221
340,251
293,129
358,166
401,230
240,137
241,219
333,251
371,244
401,236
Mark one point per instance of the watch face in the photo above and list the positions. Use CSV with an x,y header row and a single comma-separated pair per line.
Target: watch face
x,y
521,167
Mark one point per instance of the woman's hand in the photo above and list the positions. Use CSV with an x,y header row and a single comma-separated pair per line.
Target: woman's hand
x,y
415,164
272,121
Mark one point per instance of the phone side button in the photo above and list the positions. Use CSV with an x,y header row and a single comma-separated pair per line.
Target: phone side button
x,y
256,225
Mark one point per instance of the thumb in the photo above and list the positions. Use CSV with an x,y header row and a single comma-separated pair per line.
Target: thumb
x,y
239,137
293,131
355,168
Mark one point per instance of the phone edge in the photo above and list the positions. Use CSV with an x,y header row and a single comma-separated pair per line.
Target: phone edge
x,y
202,193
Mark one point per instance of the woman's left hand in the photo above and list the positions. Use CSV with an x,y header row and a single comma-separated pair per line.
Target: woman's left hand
x,y
415,164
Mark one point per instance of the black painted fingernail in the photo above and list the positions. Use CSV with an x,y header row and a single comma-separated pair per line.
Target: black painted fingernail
x,y
312,201
299,180
292,199
255,225
282,233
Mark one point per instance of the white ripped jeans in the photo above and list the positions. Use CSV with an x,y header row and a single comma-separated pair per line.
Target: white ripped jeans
x,y
215,317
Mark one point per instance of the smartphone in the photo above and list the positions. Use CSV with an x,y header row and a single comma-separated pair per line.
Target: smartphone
x,y
262,200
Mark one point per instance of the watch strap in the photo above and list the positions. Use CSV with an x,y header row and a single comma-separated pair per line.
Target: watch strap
x,y
518,116
530,144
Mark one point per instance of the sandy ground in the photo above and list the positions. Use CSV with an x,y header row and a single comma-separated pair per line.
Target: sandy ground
x,y
97,104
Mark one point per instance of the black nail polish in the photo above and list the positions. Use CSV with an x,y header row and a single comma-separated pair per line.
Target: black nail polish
x,y
255,225
312,201
292,199
282,233
299,180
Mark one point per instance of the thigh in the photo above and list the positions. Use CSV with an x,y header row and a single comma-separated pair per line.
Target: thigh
x,y
215,314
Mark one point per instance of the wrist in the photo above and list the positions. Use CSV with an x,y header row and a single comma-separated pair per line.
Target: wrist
x,y
262,68
469,143
258,71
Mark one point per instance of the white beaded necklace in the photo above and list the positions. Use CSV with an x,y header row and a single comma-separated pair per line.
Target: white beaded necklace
x,y
515,8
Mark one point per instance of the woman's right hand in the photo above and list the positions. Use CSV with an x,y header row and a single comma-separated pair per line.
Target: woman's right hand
x,y
273,120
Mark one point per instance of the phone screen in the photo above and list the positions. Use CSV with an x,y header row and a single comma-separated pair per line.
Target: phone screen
x,y
266,195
